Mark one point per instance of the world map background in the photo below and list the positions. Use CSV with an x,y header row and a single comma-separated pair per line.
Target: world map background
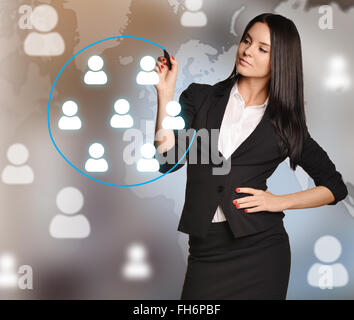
x,y
89,268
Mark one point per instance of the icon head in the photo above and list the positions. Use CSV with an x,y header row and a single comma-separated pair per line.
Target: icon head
x,y
121,106
147,63
69,108
148,150
96,150
338,63
327,249
17,154
95,63
7,262
193,5
173,108
44,18
69,200
136,252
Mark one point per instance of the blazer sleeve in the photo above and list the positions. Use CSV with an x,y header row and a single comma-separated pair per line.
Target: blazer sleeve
x,y
315,161
188,111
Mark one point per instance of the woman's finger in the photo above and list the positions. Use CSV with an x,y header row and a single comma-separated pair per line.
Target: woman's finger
x,y
157,69
254,209
161,66
243,199
247,204
174,62
162,60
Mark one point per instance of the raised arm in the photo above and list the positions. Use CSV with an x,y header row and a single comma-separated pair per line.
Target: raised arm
x,y
164,138
173,148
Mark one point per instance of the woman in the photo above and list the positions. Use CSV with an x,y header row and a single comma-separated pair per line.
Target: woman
x,y
261,117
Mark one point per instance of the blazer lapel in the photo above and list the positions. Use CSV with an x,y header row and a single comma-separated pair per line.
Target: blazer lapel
x,y
215,111
258,130
218,103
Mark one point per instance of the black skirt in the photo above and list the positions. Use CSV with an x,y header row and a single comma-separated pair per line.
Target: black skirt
x,y
223,267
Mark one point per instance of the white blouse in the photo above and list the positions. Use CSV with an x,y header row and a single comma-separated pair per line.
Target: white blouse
x,y
237,124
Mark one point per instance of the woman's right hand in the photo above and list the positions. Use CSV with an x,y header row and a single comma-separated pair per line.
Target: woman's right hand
x,y
167,77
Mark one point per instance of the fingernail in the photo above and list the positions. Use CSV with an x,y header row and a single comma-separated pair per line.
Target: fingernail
x,y
237,190
245,210
172,57
237,205
161,67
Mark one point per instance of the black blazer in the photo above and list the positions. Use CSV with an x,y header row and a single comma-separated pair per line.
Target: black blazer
x,y
252,163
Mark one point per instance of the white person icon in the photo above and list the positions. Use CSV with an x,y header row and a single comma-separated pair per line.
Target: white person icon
x,y
327,274
44,18
148,164
95,76
69,121
96,163
193,17
69,224
136,267
147,76
8,276
17,172
171,121
338,78
121,119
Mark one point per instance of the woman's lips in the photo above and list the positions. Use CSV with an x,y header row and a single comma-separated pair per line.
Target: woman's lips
x,y
244,63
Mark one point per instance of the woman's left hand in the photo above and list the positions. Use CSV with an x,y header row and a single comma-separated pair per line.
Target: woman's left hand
x,y
259,201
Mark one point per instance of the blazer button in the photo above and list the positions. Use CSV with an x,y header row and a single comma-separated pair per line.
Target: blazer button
x,y
220,188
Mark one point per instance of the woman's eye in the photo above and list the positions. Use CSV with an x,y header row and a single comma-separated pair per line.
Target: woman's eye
x,y
245,41
263,50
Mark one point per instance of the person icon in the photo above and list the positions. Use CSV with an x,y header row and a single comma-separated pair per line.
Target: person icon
x,y
173,108
94,76
136,267
44,18
147,76
69,225
18,173
122,119
324,275
69,121
338,78
8,276
97,164
195,18
148,164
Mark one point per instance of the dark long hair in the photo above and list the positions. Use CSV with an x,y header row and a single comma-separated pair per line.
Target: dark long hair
x,y
285,87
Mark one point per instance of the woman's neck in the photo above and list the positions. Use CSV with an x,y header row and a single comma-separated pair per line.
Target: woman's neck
x,y
254,91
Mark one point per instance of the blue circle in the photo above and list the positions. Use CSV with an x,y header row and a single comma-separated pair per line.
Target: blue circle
x,y
50,132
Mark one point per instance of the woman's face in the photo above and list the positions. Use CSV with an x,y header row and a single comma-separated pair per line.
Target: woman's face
x,y
255,49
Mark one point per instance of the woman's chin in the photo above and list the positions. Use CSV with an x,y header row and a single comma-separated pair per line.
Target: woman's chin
x,y
241,70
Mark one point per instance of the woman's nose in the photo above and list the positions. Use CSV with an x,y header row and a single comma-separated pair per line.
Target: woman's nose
x,y
247,51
